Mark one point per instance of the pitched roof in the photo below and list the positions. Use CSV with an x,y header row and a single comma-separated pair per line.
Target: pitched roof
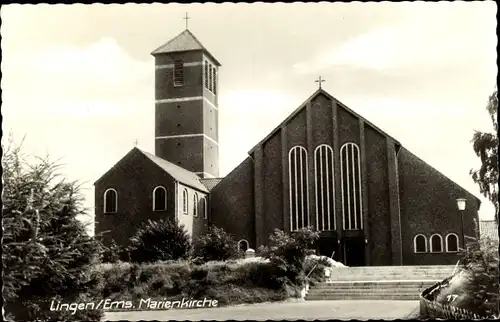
x,y
210,183
321,91
488,228
178,173
185,41
303,106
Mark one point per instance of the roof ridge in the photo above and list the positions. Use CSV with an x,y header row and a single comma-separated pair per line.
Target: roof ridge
x,y
175,165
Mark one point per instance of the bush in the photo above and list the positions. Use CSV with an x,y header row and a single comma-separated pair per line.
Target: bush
x,y
288,252
230,283
47,253
476,288
319,264
158,241
112,253
216,245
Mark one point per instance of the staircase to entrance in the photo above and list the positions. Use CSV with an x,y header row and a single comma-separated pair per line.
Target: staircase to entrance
x,y
379,282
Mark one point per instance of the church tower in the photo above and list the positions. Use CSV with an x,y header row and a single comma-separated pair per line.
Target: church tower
x,y
186,112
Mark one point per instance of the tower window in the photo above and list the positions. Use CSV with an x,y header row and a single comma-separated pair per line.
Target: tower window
x,y
206,74
210,78
178,73
214,75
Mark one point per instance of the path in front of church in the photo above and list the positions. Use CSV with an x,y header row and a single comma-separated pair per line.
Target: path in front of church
x,y
302,310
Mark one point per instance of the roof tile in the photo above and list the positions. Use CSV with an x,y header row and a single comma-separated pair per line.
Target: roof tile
x,y
180,174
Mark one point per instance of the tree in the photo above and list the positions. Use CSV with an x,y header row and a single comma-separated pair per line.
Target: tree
x,y
486,148
158,241
47,253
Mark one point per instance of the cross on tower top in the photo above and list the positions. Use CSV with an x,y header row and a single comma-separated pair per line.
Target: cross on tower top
x,y
319,81
136,142
186,17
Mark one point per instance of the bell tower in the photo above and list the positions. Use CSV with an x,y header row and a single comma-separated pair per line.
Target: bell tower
x,y
186,105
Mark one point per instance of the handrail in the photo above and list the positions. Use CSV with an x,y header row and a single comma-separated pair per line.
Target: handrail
x,y
314,267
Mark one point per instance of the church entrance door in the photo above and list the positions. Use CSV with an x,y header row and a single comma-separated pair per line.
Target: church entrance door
x,y
354,251
327,246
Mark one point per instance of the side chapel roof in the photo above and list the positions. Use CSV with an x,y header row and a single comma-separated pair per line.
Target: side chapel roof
x,y
178,173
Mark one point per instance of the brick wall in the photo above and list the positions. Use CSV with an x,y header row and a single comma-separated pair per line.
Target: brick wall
x,y
232,203
134,178
428,206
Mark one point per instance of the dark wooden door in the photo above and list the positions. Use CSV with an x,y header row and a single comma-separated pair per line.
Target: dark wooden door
x,y
354,251
327,246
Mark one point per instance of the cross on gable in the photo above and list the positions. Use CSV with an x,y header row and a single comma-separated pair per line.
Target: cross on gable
x,y
136,142
319,81
186,18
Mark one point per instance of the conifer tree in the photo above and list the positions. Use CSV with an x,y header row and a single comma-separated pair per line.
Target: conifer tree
x,y
47,253
485,146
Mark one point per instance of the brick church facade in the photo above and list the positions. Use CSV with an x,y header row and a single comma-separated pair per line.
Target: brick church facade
x,y
325,166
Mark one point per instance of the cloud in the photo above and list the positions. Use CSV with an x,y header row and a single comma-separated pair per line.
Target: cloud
x,y
101,71
413,44
246,117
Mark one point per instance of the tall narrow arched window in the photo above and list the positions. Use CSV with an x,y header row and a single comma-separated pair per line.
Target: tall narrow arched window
x,y
350,172
159,199
324,187
420,244
110,201
195,205
299,183
451,243
203,207
185,201
436,243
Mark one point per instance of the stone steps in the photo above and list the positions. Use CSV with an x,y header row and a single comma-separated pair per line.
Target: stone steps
x,y
374,285
347,297
379,283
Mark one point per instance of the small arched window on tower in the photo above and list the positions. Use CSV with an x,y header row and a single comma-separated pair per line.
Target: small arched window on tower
x,y
159,199
436,243
185,201
178,73
195,205
420,244
110,201
451,243
214,74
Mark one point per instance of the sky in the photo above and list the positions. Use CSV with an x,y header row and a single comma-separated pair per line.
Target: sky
x,y
78,80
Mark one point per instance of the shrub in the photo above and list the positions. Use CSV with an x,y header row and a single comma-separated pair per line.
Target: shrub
x,y
315,266
288,252
47,253
159,240
476,288
216,245
112,253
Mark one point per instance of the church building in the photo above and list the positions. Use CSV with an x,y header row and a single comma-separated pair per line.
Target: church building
x,y
373,201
